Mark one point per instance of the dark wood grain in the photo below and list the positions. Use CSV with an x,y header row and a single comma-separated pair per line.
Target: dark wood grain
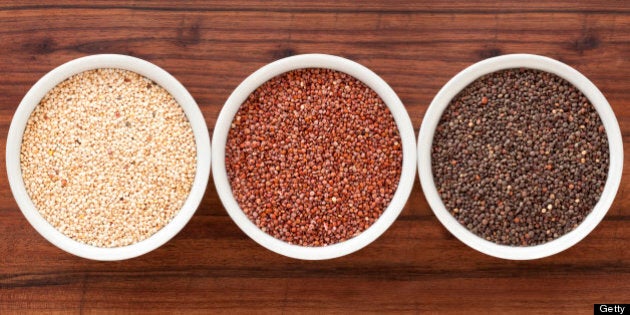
x,y
416,46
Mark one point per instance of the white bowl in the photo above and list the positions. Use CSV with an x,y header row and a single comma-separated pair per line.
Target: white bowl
x,y
356,70
56,76
463,79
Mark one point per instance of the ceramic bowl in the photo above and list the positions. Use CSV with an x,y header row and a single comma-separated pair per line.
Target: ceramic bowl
x,y
463,79
32,99
314,61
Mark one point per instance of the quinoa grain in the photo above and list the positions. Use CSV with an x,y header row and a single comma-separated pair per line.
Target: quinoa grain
x,y
108,157
313,157
537,153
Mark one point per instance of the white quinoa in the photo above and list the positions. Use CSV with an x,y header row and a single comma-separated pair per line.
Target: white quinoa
x,y
108,157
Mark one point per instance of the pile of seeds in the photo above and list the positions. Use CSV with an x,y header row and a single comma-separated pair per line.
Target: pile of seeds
x,y
313,157
520,157
108,157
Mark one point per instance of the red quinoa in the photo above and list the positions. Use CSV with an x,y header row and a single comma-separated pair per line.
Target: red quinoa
x,y
313,157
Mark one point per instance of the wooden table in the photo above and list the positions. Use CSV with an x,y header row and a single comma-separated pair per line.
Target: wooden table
x,y
416,266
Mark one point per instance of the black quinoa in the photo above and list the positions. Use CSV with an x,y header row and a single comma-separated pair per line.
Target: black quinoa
x,y
520,157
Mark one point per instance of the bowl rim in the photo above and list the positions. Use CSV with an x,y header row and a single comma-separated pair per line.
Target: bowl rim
x,y
373,81
463,79
32,99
